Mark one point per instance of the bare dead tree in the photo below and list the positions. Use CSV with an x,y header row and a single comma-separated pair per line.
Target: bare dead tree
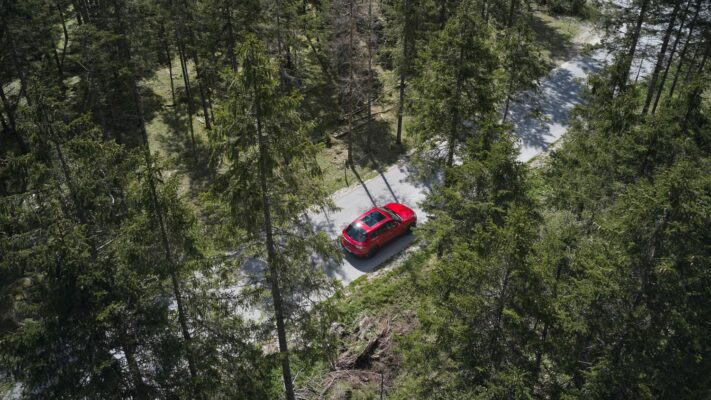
x,y
349,44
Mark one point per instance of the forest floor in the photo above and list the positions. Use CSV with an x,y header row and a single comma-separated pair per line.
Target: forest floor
x,y
378,312
560,38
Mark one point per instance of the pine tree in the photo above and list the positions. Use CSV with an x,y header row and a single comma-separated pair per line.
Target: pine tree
x,y
605,327
523,63
270,179
406,28
72,205
651,88
683,24
478,311
457,93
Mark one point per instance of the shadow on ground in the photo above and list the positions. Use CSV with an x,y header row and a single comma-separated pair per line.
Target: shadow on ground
x,y
560,46
190,157
366,265
547,110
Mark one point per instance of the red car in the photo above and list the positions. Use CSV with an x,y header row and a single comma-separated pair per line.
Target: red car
x,y
376,227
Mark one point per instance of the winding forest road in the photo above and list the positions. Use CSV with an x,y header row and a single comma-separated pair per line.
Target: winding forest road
x,y
558,94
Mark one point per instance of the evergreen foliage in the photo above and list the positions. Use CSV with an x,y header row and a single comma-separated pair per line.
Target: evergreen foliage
x,y
127,274
271,179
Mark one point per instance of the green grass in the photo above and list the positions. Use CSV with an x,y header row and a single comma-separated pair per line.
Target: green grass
x,y
383,151
368,163
165,129
336,175
169,132
556,35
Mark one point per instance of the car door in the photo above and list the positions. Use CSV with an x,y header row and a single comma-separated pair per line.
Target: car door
x,y
376,237
389,231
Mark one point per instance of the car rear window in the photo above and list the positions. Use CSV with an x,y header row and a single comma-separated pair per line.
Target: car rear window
x,y
373,218
356,232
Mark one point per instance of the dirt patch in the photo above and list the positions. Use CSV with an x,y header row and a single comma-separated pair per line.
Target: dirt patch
x,y
368,362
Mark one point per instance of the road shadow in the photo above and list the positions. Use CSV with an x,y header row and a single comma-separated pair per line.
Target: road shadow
x,y
324,224
363,185
418,176
393,248
352,267
551,105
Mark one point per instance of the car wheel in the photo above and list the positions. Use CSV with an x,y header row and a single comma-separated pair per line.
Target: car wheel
x,y
372,252
412,225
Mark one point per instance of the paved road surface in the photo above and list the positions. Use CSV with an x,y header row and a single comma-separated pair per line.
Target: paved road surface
x,y
559,93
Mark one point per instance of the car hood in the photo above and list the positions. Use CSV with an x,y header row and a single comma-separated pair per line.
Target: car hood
x,y
401,210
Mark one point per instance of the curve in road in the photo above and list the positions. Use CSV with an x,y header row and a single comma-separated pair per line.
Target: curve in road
x,y
559,93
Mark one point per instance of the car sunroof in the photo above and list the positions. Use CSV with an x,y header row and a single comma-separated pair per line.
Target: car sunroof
x,y
373,218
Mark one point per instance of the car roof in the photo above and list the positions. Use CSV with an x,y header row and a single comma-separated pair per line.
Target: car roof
x,y
363,218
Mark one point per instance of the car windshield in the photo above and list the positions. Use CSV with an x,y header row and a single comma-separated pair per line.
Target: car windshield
x,y
391,214
356,232
373,218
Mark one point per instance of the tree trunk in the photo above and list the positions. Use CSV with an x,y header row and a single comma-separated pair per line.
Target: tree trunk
x,y
700,50
673,50
177,291
684,49
140,388
12,126
508,97
629,57
512,14
182,53
452,145
230,38
350,87
77,13
694,99
284,56
660,59
323,63
73,193
209,102
201,87
271,252
188,92
400,107
47,130
86,11
16,63
169,58
544,335
499,313
369,132
403,70
4,124
60,60
78,208
65,32
125,48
